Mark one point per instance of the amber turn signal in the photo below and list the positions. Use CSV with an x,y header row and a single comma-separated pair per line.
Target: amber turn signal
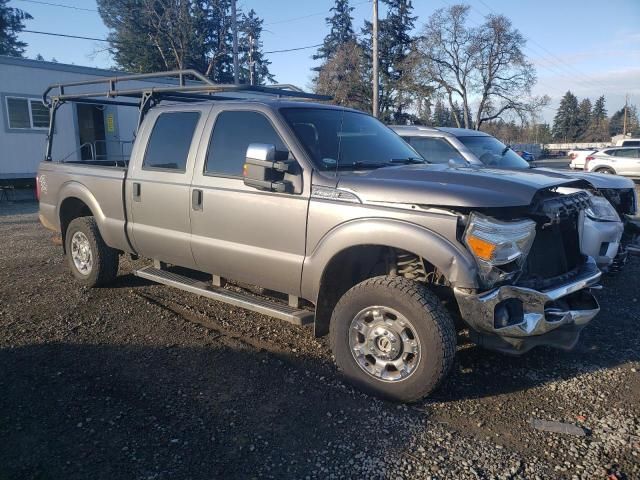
x,y
482,249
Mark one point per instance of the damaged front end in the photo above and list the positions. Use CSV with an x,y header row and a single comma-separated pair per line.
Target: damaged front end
x,y
539,292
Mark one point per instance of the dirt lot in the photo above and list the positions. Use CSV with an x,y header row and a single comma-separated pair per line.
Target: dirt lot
x,y
139,381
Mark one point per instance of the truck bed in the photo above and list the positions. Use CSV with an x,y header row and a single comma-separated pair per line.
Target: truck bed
x,y
97,184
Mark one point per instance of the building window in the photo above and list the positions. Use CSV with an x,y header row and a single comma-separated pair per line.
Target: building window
x,y
27,113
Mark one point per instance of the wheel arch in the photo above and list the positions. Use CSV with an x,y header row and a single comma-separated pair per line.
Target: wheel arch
x,y
77,201
356,251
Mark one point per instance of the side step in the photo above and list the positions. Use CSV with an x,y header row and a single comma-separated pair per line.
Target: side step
x,y
297,316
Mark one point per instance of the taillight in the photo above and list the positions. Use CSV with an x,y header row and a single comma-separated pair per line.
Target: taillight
x,y
38,187
586,162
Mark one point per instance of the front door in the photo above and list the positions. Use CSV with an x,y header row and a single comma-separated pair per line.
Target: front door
x,y
158,187
239,232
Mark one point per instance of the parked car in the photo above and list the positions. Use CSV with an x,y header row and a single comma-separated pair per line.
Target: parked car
x,y
616,161
577,158
628,142
471,147
326,205
529,157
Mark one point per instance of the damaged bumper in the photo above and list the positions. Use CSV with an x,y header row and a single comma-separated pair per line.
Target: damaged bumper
x,y
601,240
515,319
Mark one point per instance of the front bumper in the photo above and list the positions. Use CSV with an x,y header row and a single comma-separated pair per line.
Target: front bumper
x,y
601,240
515,319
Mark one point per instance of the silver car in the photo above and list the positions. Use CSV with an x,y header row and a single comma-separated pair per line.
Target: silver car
x,y
619,161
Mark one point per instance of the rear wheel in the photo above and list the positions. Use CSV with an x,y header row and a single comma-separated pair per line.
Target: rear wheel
x,y
392,337
92,262
608,171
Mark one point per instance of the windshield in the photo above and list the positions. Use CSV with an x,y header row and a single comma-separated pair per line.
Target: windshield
x,y
344,140
493,153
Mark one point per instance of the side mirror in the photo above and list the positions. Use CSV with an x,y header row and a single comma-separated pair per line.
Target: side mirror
x,y
458,162
264,168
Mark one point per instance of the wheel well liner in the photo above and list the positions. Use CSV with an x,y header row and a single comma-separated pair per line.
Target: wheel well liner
x,y
70,209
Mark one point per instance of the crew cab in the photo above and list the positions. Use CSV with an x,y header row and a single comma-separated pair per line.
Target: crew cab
x,y
333,211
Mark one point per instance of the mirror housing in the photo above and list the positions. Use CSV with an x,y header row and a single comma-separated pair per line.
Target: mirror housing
x,y
265,167
458,162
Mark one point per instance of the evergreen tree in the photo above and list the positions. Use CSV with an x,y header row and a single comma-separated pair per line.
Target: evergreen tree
x,y
441,115
616,123
249,33
11,24
598,130
584,118
340,31
565,123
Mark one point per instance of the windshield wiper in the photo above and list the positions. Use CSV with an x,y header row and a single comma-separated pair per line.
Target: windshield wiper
x,y
408,161
358,166
505,150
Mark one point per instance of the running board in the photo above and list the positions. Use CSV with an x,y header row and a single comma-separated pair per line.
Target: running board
x,y
297,316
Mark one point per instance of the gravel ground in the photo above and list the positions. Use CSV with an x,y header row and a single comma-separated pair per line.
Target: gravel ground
x,y
139,381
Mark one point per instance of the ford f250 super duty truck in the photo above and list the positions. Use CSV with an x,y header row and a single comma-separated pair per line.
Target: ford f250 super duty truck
x,y
378,249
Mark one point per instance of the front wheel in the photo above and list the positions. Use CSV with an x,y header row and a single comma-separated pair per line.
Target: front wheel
x,y
605,170
392,337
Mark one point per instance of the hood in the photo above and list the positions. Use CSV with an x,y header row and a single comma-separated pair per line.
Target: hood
x,y
598,180
442,185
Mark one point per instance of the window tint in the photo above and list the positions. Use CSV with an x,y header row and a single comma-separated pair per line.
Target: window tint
x,y
435,150
170,140
18,109
627,153
232,134
631,143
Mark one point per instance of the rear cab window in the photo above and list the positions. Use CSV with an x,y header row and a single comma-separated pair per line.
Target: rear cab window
x,y
170,141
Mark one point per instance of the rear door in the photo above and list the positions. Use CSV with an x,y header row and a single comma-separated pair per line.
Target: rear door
x,y
239,232
627,161
158,184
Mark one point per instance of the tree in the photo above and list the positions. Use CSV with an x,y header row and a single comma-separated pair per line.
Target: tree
x,y
584,119
343,77
11,24
340,31
616,122
598,129
565,123
442,116
153,35
251,56
486,63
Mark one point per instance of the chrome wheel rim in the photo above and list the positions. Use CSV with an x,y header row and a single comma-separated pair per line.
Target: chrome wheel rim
x,y
384,344
81,253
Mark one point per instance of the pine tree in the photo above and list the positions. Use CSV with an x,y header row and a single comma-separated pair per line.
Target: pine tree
x,y
584,118
565,123
249,33
441,115
598,130
616,122
11,24
340,31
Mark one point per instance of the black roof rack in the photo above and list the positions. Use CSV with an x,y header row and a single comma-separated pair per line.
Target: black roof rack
x,y
183,85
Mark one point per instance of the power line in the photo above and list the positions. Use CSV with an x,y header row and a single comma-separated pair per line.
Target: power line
x,y
67,36
294,49
61,5
324,12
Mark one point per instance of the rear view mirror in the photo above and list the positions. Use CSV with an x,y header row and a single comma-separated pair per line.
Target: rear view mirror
x,y
264,168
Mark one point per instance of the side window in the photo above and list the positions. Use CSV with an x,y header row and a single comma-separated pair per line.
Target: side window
x,y
435,150
232,134
170,141
628,153
631,143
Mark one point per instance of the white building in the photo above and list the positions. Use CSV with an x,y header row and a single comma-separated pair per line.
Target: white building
x,y
82,130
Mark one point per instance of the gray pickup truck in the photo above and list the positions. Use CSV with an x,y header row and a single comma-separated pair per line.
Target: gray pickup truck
x,y
330,209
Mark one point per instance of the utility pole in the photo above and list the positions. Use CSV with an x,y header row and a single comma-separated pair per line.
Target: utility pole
x,y
234,23
374,33
624,122
252,79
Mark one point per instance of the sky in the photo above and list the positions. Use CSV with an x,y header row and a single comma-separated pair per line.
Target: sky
x,y
589,47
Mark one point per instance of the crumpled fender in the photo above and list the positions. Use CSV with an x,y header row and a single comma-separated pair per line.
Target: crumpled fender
x,y
452,260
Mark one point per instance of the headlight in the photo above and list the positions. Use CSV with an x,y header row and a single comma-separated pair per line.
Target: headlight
x,y
601,210
500,248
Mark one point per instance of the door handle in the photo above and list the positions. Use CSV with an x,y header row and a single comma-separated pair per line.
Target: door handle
x,y
196,199
137,191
